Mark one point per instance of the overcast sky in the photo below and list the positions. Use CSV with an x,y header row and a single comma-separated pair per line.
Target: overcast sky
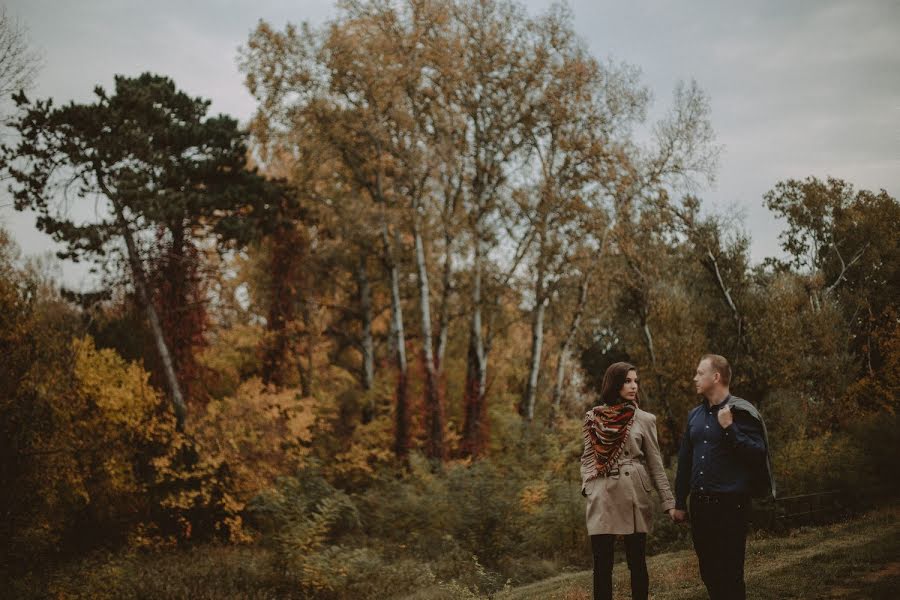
x,y
797,88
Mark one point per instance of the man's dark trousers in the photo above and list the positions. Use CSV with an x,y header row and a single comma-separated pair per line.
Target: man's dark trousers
x,y
719,532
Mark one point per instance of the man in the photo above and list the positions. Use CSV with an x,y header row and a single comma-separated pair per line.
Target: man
x,y
722,462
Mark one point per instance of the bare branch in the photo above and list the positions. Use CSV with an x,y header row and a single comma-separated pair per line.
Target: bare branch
x,y
18,64
844,266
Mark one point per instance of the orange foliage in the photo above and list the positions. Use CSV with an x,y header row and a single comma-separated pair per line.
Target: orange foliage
x,y
260,432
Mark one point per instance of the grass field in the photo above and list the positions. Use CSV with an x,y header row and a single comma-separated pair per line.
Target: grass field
x,y
854,559
858,558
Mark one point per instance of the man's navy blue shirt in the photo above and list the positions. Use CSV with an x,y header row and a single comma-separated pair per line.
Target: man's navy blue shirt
x,y
716,460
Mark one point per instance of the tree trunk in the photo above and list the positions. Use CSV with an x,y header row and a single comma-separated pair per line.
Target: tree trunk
x,y
434,410
402,433
181,308
365,306
451,196
444,310
474,426
561,364
672,446
526,404
526,409
140,285
285,247
307,371
740,342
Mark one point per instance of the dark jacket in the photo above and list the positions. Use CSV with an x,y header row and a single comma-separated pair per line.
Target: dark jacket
x,y
764,485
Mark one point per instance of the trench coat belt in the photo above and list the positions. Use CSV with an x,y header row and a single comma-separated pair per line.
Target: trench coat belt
x,y
616,472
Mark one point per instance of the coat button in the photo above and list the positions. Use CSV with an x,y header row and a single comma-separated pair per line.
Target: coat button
x,y
626,472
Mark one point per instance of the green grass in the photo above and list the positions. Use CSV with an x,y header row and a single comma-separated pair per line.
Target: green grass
x,y
854,559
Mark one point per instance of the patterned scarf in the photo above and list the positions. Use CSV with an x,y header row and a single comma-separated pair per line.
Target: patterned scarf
x,y
607,426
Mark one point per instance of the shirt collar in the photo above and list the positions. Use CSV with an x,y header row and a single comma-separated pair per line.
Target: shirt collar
x,y
717,406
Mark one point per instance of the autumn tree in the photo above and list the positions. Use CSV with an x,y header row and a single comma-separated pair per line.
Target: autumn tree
x,y
842,242
723,252
492,91
152,160
580,125
362,85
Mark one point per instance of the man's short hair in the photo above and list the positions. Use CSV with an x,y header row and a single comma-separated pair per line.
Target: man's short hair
x,y
720,365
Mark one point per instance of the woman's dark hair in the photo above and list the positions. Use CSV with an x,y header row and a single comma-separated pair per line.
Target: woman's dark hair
x,y
613,380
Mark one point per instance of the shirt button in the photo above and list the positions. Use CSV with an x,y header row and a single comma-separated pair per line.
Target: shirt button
x,y
705,441
701,472
702,457
707,426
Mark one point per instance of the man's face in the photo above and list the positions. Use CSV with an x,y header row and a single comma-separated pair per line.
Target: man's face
x,y
705,378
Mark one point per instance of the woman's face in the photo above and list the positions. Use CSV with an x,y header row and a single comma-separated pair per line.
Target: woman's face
x,y
630,387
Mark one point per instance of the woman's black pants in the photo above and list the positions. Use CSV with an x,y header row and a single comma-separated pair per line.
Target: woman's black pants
x,y
635,555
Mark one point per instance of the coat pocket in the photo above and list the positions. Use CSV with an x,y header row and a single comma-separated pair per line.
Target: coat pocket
x,y
645,478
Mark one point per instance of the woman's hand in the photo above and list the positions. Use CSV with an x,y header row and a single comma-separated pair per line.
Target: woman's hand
x,y
677,516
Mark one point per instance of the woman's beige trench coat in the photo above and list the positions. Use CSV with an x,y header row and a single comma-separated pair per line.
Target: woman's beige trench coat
x,y
620,504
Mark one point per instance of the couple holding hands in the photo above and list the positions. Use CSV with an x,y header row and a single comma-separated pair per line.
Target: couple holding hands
x,y
723,461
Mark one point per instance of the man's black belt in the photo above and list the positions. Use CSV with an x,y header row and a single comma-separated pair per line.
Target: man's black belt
x,y
719,498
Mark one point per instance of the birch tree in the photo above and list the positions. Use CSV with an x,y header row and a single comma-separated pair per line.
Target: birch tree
x,y
584,116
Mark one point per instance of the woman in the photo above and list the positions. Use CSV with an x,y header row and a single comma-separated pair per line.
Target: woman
x,y
620,465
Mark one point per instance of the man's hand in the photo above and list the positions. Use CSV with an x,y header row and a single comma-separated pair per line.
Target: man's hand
x,y
677,516
725,416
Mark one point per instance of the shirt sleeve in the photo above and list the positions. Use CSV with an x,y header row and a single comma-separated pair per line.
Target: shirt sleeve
x,y
685,464
745,436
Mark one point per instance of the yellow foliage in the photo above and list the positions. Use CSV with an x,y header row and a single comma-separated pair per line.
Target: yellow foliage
x,y
231,354
369,448
124,457
826,461
881,392
113,413
89,454
260,433
533,497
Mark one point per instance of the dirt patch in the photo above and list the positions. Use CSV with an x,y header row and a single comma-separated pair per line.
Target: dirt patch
x,y
887,572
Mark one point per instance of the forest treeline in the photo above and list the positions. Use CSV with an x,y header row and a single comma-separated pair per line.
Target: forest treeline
x,y
364,329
